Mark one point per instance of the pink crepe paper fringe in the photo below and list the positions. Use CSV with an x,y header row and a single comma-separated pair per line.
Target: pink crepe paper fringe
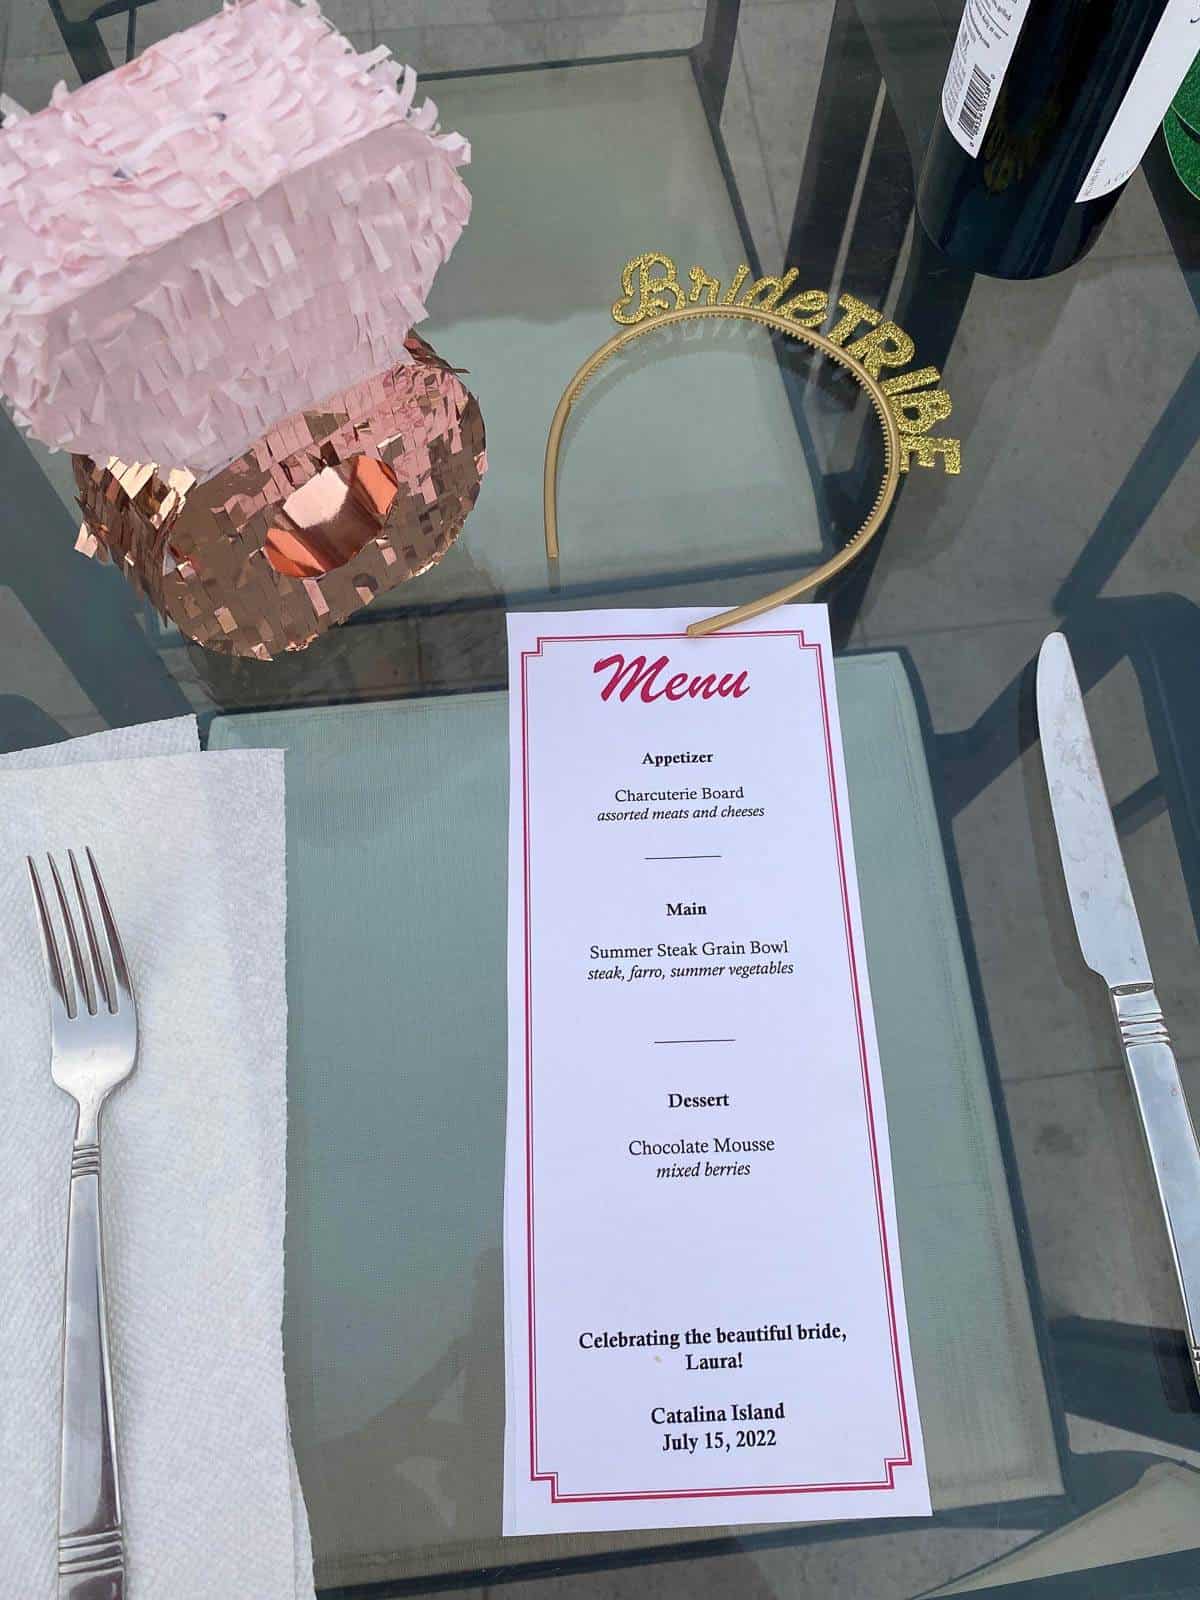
x,y
243,219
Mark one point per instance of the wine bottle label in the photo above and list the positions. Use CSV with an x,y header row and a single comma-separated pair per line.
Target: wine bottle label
x,y
987,37
1170,53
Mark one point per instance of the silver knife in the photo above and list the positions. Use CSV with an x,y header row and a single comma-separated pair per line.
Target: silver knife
x,y
1110,937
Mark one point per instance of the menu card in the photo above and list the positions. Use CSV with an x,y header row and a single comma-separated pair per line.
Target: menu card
x,y
704,1308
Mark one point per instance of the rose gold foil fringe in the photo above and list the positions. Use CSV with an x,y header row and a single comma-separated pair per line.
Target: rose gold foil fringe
x,y
331,507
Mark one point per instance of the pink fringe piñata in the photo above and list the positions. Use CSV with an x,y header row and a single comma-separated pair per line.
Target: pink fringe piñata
x,y
244,219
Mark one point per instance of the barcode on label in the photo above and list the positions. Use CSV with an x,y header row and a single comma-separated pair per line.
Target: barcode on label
x,y
974,102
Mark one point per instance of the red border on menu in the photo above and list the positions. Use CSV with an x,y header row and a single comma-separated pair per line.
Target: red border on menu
x,y
537,1473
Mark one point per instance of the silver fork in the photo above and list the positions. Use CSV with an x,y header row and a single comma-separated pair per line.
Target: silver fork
x,y
93,1021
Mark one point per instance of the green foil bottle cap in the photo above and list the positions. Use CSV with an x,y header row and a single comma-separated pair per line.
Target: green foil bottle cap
x,y
1186,104
1184,146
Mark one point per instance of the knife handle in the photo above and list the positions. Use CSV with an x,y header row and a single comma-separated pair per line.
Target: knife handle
x,y
1170,1138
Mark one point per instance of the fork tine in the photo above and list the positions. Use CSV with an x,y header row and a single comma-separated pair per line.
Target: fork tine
x,y
82,975
124,989
61,988
104,985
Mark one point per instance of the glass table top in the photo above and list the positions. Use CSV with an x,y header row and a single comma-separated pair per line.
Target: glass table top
x,y
705,472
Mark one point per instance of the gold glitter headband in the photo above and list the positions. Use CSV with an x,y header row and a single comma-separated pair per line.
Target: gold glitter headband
x,y
660,317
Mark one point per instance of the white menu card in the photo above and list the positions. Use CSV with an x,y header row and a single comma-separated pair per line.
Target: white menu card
x,y
704,1309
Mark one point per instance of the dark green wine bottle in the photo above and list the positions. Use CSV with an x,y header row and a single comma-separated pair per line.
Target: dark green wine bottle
x,y
1047,109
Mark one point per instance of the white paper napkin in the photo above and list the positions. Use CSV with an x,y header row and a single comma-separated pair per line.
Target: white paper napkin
x,y
192,851
174,736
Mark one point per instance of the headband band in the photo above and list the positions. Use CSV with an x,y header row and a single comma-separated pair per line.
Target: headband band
x,y
853,547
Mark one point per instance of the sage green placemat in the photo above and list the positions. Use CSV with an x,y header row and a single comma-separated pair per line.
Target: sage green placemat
x,y
397,823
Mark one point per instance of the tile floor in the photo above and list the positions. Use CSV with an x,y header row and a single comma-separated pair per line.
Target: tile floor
x,y
779,42
433,35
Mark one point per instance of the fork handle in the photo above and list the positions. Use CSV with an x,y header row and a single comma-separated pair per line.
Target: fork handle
x,y
91,1558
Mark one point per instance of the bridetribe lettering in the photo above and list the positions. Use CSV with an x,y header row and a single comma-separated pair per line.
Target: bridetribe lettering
x,y
657,681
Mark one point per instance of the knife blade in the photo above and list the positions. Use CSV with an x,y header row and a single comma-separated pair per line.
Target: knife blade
x,y
1106,918
1111,942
